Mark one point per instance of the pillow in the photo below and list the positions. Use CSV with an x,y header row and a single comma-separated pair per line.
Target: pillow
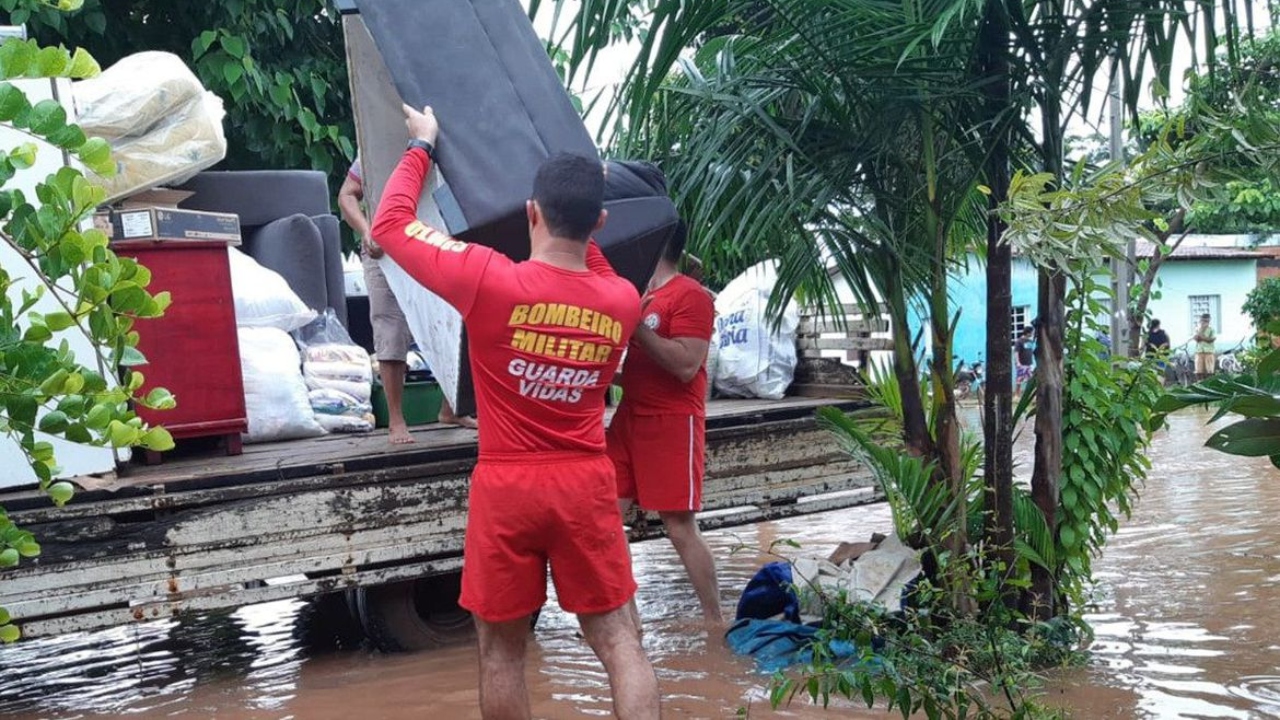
x,y
263,298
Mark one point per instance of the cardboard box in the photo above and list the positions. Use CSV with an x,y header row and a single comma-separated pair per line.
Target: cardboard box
x,y
155,215
168,224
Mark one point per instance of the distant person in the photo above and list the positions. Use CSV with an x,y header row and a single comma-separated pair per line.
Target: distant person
x,y
1104,338
1206,350
1024,355
391,336
1157,341
545,337
657,440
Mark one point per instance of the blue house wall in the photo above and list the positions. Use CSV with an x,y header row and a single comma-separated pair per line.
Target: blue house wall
x,y
969,298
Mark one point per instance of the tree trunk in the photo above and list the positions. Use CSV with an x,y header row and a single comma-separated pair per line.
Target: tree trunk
x,y
946,426
998,406
1040,602
915,421
1048,453
1138,313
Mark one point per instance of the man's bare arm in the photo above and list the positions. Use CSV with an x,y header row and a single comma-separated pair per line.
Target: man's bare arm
x,y
682,357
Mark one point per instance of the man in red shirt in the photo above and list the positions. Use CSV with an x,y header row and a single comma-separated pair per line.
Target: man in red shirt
x,y
545,337
657,438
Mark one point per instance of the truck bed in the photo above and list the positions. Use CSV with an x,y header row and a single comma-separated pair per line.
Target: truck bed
x,y
315,516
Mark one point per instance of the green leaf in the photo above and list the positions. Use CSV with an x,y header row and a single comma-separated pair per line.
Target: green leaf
x,y
158,439
160,399
60,320
4,616
17,56
96,155
98,417
53,422
47,117
28,548
131,357
37,333
52,62
70,137
1254,437
234,46
61,492
9,557
78,433
10,633
70,6
23,156
13,101
233,73
83,65
72,405
121,435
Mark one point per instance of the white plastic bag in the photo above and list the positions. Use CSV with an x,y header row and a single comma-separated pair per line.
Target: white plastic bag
x,y
339,375
275,396
263,297
752,360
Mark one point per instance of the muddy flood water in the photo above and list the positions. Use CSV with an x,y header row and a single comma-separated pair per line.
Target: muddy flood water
x,y
1187,606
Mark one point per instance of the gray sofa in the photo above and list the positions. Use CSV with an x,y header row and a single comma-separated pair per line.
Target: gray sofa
x,y
287,226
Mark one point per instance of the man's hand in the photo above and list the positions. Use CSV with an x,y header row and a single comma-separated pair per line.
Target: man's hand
x,y
422,125
371,248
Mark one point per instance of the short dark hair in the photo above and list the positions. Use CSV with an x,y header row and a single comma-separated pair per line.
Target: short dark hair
x,y
675,245
569,189
1155,324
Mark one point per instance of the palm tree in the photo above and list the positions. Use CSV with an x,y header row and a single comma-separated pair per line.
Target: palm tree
x,y
853,133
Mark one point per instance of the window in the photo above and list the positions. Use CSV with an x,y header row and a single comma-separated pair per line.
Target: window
x,y
1021,318
1211,304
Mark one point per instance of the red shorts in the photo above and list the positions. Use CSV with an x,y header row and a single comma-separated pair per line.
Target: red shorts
x,y
526,513
659,459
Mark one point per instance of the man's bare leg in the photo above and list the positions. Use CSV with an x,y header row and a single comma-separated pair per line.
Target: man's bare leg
x,y
635,688
682,528
392,373
503,695
448,417
624,506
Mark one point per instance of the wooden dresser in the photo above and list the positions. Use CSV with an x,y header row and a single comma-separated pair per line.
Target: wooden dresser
x,y
192,351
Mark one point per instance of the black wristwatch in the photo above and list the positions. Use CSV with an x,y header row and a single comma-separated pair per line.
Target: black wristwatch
x,y
428,147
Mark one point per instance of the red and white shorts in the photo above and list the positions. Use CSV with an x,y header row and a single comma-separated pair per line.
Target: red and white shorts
x,y
527,513
659,459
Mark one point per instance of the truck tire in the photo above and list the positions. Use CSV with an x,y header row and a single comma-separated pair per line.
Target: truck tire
x,y
415,615
328,622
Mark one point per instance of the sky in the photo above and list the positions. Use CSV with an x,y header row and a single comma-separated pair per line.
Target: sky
x,y
612,66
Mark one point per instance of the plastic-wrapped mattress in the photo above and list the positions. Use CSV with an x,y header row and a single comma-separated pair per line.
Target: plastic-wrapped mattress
x,y
162,125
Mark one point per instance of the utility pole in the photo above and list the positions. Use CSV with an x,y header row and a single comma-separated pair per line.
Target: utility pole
x,y
1121,270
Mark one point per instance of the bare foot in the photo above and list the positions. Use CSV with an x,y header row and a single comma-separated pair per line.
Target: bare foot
x,y
449,418
400,435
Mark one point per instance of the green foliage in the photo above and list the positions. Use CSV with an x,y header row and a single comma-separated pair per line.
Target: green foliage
x,y
1107,410
924,660
1263,303
44,391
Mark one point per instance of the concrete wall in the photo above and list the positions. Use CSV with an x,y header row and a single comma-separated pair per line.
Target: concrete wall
x,y
1229,280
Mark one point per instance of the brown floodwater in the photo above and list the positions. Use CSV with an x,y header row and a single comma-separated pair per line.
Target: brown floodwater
x,y
1186,605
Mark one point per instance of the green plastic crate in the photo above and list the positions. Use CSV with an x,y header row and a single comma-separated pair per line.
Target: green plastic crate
x,y
421,403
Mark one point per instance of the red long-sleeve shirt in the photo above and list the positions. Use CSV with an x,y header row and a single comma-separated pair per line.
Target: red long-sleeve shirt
x,y
544,341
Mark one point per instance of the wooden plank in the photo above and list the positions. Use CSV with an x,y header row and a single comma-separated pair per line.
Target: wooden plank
x,y
851,392
813,326
845,343
846,308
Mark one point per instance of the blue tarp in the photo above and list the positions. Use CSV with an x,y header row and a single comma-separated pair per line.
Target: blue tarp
x,y
776,644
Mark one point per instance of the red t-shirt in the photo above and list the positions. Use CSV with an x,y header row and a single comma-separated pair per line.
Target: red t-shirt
x,y
680,308
545,342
